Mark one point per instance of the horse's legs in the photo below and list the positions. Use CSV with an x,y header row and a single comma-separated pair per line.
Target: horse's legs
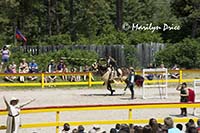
x,y
126,81
109,87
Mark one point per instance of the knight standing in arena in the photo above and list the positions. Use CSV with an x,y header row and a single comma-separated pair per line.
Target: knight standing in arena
x,y
183,96
131,78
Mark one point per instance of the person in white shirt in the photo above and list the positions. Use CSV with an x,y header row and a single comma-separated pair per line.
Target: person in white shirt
x,y
13,120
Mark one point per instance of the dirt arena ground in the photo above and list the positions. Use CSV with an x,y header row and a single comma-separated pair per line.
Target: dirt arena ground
x,y
85,96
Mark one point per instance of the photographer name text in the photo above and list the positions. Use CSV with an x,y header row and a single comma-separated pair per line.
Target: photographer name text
x,y
149,27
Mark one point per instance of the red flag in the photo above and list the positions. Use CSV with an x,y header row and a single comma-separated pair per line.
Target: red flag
x,y
20,36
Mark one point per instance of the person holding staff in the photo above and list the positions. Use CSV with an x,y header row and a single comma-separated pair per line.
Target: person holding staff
x,y
13,119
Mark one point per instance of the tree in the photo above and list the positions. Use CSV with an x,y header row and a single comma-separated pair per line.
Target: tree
x,y
185,54
189,12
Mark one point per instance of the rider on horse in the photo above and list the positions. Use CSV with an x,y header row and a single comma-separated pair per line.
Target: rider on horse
x,y
111,62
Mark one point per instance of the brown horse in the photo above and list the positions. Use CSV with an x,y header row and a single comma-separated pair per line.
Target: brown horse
x,y
109,76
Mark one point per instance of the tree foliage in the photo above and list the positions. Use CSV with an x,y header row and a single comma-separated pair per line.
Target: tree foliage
x,y
185,54
69,22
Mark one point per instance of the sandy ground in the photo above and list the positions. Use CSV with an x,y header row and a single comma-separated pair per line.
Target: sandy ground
x,y
84,96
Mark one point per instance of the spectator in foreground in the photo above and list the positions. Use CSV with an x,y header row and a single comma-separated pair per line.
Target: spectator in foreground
x,y
190,124
180,127
81,129
147,129
154,125
192,130
170,125
113,130
198,125
75,130
66,128
117,127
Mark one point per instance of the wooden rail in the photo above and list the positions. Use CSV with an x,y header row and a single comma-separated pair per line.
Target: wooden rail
x,y
127,107
89,82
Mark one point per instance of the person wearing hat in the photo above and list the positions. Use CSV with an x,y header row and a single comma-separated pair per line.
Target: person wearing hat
x,y
13,119
131,78
183,96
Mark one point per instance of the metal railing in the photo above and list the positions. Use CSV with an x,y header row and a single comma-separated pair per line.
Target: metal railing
x,y
127,107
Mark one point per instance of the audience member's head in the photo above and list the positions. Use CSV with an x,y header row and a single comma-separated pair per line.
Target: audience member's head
x,y
198,122
124,128
154,125
75,130
189,124
113,130
92,131
138,129
192,122
147,129
163,128
117,126
169,122
66,127
131,125
192,130
198,125
81,129
131,128
179,126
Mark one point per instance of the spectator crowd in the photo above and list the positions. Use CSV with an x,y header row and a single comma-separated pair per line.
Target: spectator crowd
x,y
152,127
32,67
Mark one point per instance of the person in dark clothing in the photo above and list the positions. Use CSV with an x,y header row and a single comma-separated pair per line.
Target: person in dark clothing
x,y
131,78
111,62
183,96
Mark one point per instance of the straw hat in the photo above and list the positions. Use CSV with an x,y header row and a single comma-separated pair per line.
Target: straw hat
x,y
14,99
